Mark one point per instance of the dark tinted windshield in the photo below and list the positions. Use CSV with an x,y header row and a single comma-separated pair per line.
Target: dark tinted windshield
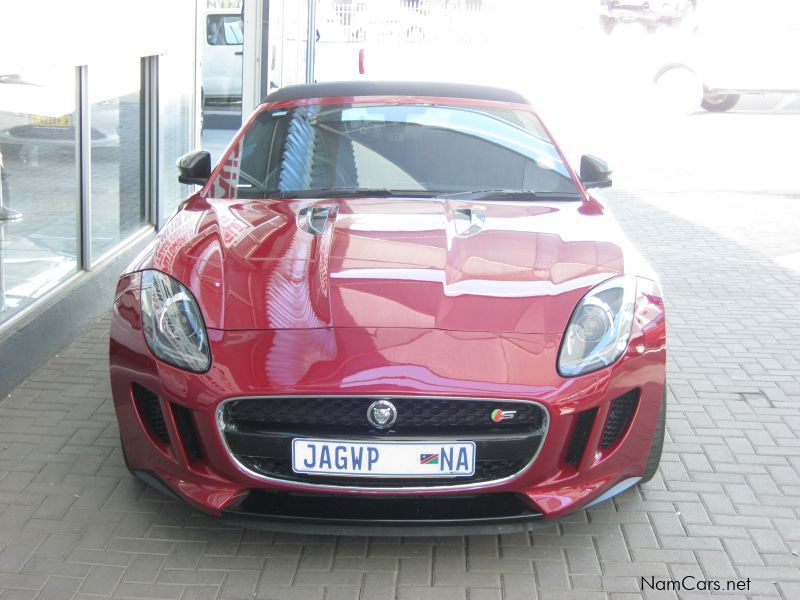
x,y
442,149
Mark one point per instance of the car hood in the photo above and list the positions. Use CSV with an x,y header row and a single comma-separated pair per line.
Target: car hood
x,y
384,262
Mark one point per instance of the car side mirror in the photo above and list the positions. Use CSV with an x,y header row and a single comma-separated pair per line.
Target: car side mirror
x,y
194,167
595,173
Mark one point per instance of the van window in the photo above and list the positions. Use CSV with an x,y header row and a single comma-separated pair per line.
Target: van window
x,y
224,30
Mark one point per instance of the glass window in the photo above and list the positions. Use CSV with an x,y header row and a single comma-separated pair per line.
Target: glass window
x,y
115,96
224,30
39,183
394,147
288,35
176,129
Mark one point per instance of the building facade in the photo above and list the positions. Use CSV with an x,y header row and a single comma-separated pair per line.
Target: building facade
x,y
97,100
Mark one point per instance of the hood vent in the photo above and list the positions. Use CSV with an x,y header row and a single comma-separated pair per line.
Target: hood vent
x,y
468,221
312,219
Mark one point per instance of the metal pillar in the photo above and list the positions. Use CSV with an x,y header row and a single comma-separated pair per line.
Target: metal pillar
x,y
6,214
311,41
256,35
83,150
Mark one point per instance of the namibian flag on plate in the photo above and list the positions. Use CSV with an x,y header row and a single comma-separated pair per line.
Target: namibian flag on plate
x,y
429,459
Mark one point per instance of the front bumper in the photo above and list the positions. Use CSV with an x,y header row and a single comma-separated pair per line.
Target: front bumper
x,y
575,465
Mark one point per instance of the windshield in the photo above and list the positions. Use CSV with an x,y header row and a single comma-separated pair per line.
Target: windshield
x,y
399,148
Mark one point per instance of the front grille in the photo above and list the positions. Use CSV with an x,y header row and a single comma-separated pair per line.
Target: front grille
x,y
149,408
349,414
259,431
619,417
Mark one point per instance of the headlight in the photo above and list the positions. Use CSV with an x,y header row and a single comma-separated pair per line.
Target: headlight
x,y
598,331
172,323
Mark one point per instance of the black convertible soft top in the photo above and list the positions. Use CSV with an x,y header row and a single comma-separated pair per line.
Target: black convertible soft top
x,y
394,88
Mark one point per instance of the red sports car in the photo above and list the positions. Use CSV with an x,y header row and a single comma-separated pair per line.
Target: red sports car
x,y
391,307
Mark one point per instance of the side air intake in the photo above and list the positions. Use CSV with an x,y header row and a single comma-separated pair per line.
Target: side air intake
x,y
580,436
619,417
149,408
185,424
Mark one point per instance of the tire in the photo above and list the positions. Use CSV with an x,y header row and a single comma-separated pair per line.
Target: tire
x,y
654,458
719,102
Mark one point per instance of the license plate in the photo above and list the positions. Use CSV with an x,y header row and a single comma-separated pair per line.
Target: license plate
x,y
43,121
383,459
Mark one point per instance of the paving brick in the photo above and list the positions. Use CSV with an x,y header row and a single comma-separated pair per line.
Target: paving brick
x,y
350,592
581,561
143,568
471,580
149,590
379,586
520,586
288,592
415,571
431,593
59,588
484,594
102,580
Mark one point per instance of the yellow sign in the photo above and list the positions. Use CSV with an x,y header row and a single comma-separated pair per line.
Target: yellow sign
x,y
62,121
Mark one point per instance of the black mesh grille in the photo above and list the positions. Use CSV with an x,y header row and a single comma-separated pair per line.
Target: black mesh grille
x,y
619,417
485,470
150,412
259,433
183,419
580,435
349,415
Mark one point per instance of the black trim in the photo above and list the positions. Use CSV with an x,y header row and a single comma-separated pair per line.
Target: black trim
x,y
526,520
154,481
185,423
580,436
394,88
286,514
429,515
149,408
619,417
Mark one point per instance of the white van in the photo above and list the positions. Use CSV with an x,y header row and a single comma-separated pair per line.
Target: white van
x,y
222,57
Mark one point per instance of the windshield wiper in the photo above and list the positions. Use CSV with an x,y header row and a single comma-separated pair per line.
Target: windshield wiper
x,y
348,192
511,195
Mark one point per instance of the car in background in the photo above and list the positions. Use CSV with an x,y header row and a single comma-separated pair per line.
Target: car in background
x,y
392,308
714,66
222,57
649,13
36,123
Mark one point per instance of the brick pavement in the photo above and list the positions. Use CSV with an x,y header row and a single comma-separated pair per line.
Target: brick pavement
x,y
726,504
